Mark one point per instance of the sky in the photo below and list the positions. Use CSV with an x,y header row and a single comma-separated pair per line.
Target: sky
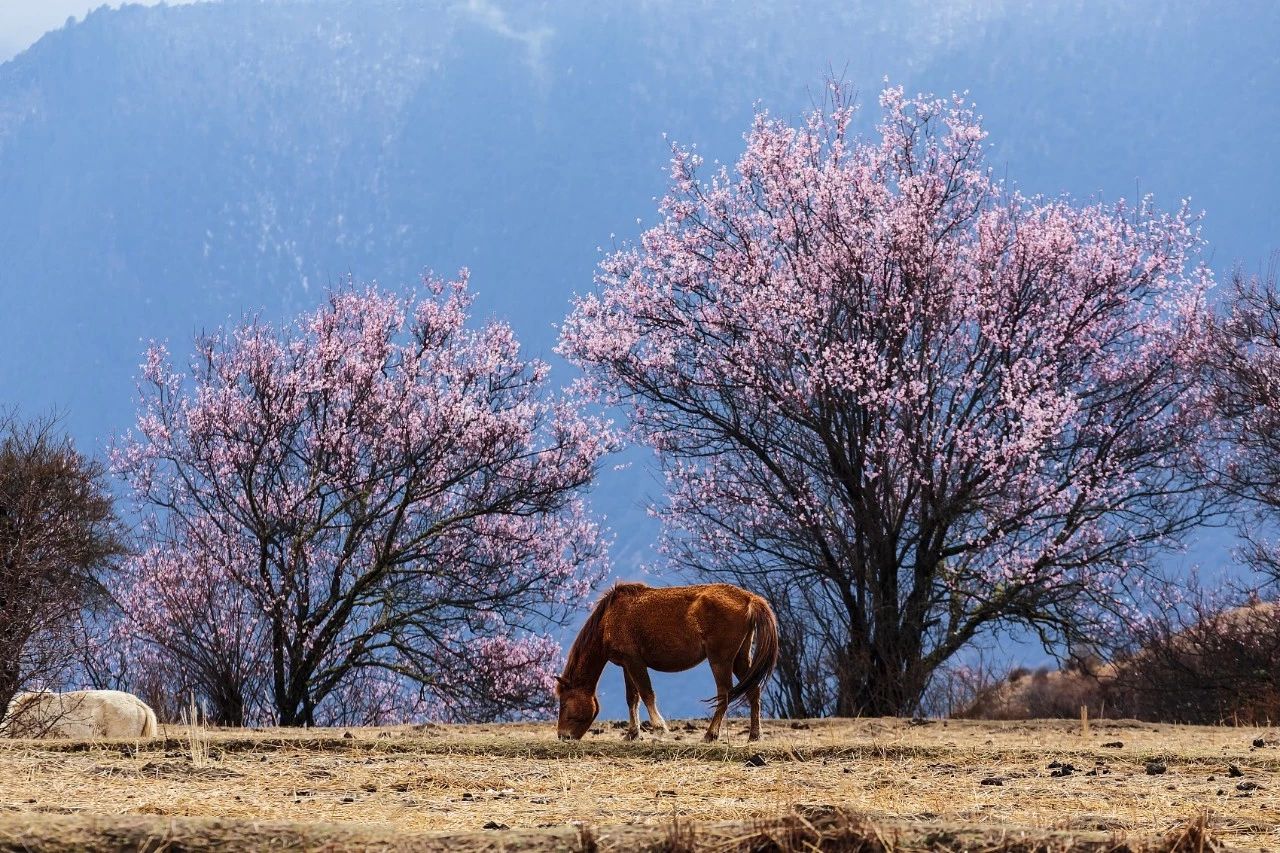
x,y
22,22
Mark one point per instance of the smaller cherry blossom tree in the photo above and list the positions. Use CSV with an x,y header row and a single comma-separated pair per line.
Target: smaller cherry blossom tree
x,y
376,508
911,405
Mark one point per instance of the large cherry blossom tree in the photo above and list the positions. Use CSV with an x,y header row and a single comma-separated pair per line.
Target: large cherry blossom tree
x,y
912,405
377,503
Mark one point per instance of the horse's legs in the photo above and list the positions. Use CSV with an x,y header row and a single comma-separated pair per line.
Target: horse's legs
x,y
722,669
639,673
633,705
741,664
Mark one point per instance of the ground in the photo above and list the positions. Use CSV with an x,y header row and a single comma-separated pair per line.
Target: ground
x,y
882,783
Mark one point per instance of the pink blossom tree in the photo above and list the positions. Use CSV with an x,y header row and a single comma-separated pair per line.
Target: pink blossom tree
x,y
910,403
375,495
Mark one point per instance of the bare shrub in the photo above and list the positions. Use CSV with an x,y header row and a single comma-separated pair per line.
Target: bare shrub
x,y
59,537
1221,666
1204,665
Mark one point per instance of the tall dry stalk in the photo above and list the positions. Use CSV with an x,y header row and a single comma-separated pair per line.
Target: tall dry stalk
x,y
196,737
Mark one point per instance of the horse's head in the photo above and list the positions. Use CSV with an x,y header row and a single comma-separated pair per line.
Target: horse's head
x,y
578,710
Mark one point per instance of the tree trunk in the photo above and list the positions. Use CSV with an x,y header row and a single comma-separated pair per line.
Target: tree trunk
x,y
9,676
227,706
875,685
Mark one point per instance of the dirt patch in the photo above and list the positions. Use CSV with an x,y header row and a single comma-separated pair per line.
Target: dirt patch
x,y
169,769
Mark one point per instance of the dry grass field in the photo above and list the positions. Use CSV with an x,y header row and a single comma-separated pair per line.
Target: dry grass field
x,y
876,784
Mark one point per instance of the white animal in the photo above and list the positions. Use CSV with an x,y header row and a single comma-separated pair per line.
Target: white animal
x,y
79,714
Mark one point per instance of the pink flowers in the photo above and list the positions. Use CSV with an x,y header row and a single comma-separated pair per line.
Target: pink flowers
x,y
363,483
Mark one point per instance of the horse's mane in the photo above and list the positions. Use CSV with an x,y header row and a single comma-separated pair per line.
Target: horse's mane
x,y
591,631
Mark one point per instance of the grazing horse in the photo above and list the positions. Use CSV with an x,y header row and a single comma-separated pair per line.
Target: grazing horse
x,y
669,629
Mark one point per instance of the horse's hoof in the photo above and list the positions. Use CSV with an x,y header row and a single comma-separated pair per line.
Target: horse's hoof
x,y
754,736
631,734
710,738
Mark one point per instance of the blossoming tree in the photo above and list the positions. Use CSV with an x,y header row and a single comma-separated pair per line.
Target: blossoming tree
x,y
376,499
910,404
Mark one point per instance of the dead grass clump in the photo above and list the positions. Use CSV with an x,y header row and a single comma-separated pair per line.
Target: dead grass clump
x,y
829,828
197,740
1192,837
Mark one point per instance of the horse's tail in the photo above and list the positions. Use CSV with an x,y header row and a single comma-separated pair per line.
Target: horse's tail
x,y
764,626
149,725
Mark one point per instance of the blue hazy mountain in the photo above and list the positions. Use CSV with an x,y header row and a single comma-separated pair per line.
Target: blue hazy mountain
x,y
165,169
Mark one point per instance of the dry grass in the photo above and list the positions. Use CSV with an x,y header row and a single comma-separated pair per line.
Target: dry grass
x,y
197,738
876,784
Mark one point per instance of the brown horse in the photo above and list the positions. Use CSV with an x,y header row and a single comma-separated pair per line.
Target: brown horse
x,y
669,629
